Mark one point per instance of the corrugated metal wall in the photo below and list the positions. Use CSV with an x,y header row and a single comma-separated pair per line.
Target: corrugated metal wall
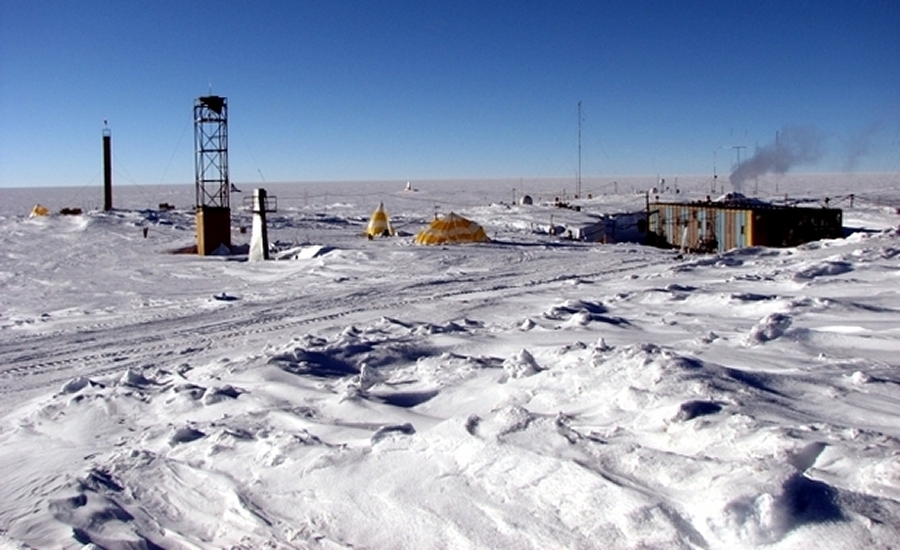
x,y
701,227
705,227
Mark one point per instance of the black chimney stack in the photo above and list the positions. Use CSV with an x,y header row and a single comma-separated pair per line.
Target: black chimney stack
x,y
107,168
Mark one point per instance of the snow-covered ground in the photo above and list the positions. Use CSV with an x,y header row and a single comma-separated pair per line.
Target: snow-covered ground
x,y
531,392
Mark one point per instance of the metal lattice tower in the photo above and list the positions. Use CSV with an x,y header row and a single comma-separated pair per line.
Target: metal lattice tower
x,y
213,188
211,163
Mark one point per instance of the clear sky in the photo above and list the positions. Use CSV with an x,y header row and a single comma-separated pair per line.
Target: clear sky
x,y
406,90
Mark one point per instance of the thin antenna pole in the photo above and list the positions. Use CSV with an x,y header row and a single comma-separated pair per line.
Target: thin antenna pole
x,y
778,158
756,186
738,149
715,175
578,181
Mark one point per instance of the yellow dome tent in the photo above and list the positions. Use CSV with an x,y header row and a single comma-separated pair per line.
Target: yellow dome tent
x,y
379,224
450,229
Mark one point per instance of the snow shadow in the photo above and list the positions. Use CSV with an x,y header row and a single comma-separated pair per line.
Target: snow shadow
x,y
810,501
95,509
690,410
314,363
583,312
377,347
848,231
406,400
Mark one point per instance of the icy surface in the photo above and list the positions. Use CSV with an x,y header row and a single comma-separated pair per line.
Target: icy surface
x,y
531,392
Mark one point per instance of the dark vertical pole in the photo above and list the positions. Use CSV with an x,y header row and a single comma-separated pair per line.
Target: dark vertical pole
x,y
107,170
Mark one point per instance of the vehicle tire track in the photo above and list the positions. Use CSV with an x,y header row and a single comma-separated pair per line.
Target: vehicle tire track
x,y
50,360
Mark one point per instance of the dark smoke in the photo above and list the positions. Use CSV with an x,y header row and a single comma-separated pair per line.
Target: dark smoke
x,y
795,145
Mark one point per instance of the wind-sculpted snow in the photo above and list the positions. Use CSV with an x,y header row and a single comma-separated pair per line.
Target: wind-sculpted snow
x,y
521,364
772,326
824,269
533,392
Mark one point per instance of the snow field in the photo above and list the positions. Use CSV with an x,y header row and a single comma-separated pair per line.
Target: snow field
x,y
528,393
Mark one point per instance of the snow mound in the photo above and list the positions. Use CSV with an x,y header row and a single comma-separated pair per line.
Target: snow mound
x,y
134,379
827,268
77,384
521,364
216,395
769,328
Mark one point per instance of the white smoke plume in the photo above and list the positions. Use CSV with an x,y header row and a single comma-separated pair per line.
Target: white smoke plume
x,y
795,145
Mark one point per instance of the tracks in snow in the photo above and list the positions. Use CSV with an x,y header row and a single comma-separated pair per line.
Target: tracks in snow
x,y
30,364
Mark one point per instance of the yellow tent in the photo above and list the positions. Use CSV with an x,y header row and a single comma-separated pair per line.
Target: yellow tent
x,y
39,210
452,228
380,224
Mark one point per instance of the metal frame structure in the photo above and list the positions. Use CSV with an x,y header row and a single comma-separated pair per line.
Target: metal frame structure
x,y
212,185
260,202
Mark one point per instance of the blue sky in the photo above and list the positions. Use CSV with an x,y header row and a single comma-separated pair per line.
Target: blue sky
x,y
412,90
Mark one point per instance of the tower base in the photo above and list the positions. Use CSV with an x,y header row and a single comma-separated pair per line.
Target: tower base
x,y
213,229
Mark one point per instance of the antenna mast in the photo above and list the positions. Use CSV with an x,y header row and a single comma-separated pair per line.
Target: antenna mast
x,y
715,174
578,180
738,149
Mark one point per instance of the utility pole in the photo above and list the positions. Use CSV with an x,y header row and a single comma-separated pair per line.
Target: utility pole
x,y
715,175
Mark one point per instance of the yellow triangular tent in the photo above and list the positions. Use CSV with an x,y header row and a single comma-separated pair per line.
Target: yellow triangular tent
x,y
452,228
39,210
379,224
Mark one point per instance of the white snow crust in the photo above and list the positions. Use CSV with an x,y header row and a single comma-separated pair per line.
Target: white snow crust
x,y
531,392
